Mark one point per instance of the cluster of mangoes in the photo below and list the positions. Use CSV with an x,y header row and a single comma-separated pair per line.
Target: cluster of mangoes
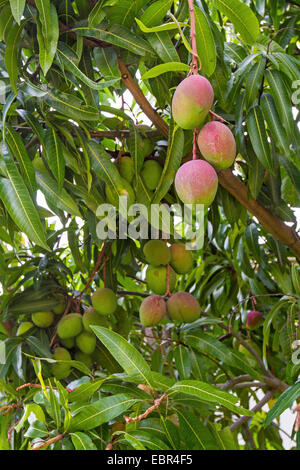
x,y
164,264
76,340
196,181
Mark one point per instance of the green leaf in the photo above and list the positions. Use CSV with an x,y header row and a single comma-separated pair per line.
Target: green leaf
x,y
124,353
292,171
67,56
195,433
107,62
207,344
102,165
71,106
254,81
282,100
134,442
274,123
285,401
57,198
162,27
85,391
155,13
93,415
97,14
149,440
82,441
47,32
12,53
206,48
164,68
242,17
256,172
208,393
55,407
54,156
172,162
18,149
17,8
258,137
6,20
19,205
182,361
163,46
117,35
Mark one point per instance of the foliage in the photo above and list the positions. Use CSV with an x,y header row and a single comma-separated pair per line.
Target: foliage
x,y
67,118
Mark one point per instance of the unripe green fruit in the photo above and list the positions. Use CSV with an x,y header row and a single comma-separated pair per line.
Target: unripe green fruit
x,y
183,307
92,317
123,325
192,101
146,146
152,310
85,358
217,144
125,190
151,173
156,278
196,182
60,307
61,371
181,258
24,328
157,253
43,319
86,342
103,358
68,343
104,300
69,326
127,169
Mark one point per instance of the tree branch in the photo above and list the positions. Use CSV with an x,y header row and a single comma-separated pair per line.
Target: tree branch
x,y
257,407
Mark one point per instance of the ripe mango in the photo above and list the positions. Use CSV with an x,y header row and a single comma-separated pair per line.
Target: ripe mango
x,y
183,307
196,182
217,144
192,101
152,310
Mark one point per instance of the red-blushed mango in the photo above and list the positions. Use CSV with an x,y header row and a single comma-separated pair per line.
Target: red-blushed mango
x,y
86,342
69,326
183,307
152,310
61,370
196,182
156,278
181,258
192,101
104,300
254,320
42,319
217,144
157,252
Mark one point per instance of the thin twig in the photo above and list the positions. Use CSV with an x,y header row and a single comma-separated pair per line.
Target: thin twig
x,y
144,415
57,438
257,407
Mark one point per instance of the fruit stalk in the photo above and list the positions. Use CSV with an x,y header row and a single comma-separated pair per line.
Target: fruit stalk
x,y
194,67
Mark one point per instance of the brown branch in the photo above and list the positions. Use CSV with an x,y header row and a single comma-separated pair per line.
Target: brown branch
x,y
249,436
96,267
194,68
257,407
57,438
123,293
7,408
144,415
